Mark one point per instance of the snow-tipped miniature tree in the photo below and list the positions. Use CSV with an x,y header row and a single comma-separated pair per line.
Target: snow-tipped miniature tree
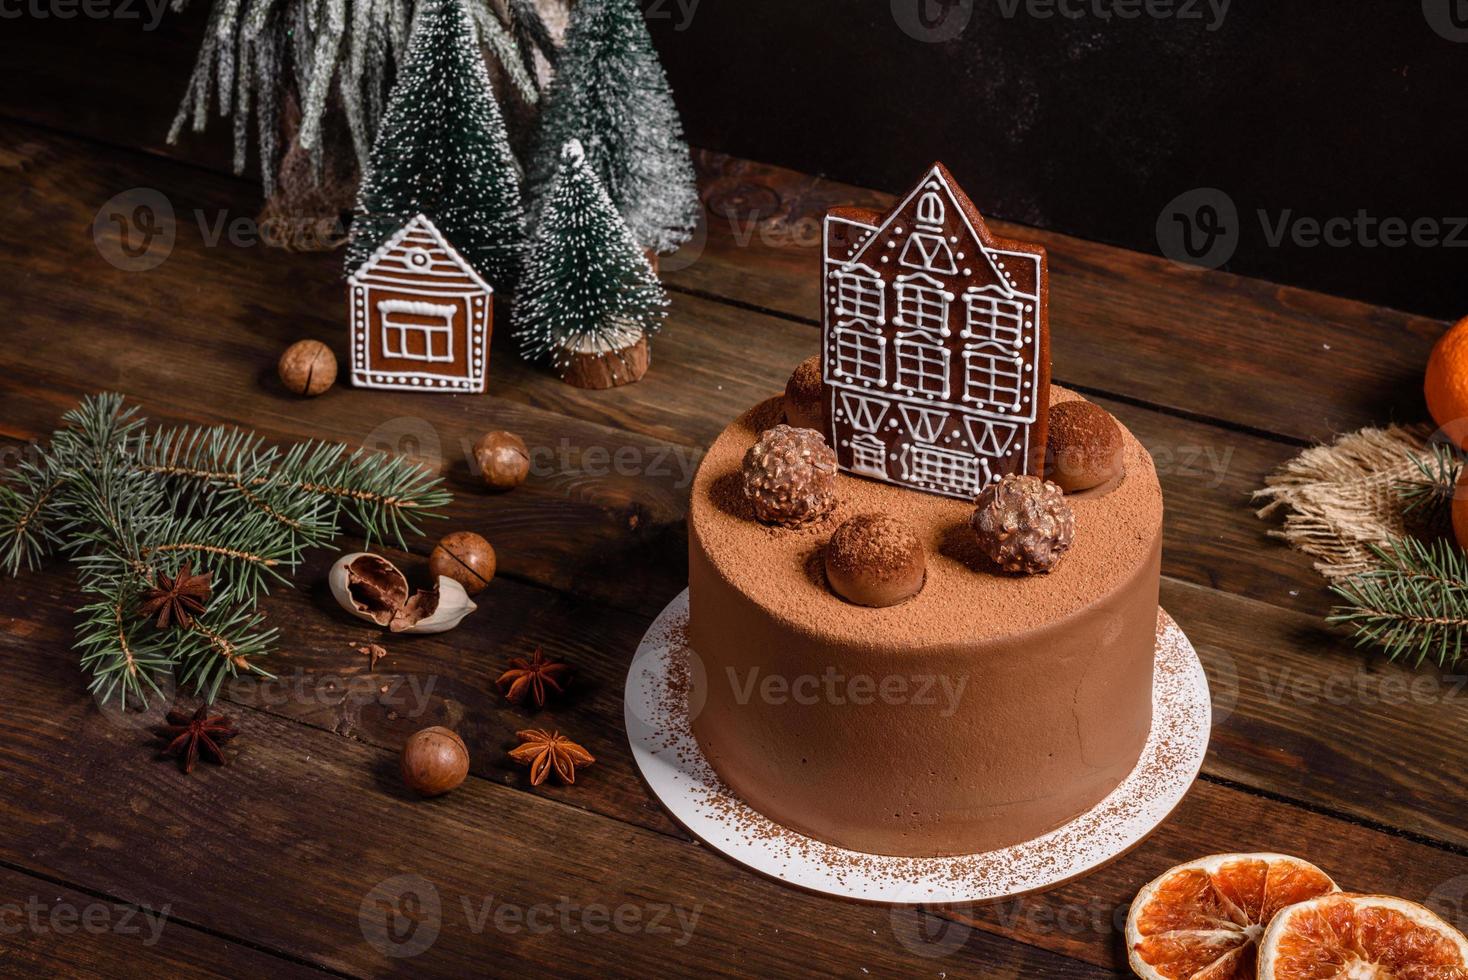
x,y
610,92
588,300
442,151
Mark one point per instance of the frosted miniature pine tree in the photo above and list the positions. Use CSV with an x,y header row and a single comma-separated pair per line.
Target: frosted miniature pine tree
x,y
610,92
588,289
443,151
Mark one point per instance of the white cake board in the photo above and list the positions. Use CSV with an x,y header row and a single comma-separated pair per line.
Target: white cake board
x,y
671,761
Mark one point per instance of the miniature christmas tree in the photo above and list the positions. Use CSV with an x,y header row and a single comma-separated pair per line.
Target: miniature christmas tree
x,y
442,151
610,92
589,299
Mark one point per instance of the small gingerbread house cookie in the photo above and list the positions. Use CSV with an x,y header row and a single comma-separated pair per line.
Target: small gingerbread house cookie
x,y
935,351
421,316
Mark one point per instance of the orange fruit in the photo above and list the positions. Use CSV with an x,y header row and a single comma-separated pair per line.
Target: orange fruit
x,y
1446,382
1203,919
1345,935
1460,510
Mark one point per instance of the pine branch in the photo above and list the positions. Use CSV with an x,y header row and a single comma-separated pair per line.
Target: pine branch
x,y
129,506
1427,495
124,654
1415,606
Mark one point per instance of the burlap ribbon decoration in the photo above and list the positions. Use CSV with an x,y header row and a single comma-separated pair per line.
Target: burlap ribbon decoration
x,y
1341,499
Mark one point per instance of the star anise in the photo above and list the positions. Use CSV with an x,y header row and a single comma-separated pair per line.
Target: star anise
x,y
192,736
531,677
546,751
179,598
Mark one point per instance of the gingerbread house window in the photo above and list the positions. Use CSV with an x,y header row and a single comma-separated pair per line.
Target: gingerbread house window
x,y
943,469
922,366
922,304
865,413
869,455
416,331
991,317
860,294
993,378
930,209
861,354
928,252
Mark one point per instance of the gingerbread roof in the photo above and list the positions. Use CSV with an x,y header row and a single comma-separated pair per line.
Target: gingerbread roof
x,y
418,255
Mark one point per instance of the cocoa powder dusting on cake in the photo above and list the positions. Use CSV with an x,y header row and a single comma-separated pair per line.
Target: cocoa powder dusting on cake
x,y
1084,447
803,403
1113,532
881,546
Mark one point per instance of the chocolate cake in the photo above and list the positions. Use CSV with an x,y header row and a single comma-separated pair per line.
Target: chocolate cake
x,y
984,710
914,643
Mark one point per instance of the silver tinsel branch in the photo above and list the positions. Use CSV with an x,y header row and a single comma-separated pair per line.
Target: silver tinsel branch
x,y
349,47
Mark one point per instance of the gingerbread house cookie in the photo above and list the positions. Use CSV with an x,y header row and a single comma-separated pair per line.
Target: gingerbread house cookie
x,y
421,316
935,354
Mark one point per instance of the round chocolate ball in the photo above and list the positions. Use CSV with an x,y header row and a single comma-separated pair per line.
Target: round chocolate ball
x,y
803,406
504,460
308,367
1083,448
789,476
464,557
1023,524
435,760
875,560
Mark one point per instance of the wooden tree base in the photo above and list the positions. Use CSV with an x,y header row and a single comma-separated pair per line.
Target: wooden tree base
x,y
606,370
652,259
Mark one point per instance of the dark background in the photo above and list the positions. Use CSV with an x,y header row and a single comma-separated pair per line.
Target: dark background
x,y
1304,109
1091,126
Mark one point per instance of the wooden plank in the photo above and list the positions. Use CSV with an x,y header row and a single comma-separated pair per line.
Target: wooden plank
x,y
605,500
1312,365
52,930
1298,713
307,843
562,534
523,848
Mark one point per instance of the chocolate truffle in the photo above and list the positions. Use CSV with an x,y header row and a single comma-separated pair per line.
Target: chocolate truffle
x,y
1024,524
803,405
1083,448
875,560
790,476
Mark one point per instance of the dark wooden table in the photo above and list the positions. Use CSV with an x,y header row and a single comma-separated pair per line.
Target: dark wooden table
x,y
290,861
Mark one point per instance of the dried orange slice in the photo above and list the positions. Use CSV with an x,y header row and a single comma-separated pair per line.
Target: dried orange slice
x,y
1202,920
1345,935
